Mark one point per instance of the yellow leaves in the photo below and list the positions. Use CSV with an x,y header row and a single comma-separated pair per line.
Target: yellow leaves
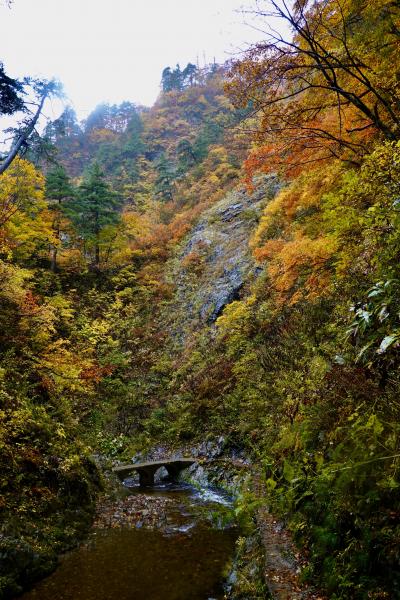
x,y
271,214
62,306
23,215
99,136
301,196
12,279
202,101
72,260
39,318
29,232
301,263
237,318
21,188
39,324
213,179
70,463
96,331
136,224
60,432
216,155
226,172
62,368
293,238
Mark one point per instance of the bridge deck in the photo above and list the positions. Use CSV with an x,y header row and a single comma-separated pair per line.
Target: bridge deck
x,y
155,464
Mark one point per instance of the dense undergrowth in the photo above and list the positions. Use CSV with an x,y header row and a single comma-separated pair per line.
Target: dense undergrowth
x,y
79,336
300,369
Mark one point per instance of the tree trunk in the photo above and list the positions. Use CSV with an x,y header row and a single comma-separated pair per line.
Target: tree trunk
x,y
24,135
53,260
97,256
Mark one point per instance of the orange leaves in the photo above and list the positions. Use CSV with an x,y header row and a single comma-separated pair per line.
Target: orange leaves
x,y
269,250
160,240
298,268
323,91
296,147
155,244
179,227
291,237
30,305
257,161
193,263
95,373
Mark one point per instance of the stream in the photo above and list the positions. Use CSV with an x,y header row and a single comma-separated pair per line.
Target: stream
x,y
162,543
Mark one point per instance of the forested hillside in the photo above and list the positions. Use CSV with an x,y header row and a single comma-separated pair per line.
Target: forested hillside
x,y
225,262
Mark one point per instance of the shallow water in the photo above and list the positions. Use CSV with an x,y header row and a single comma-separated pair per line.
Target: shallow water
x,y
185,559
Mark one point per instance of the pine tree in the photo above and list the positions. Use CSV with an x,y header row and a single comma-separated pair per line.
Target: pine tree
x,y
10,90
59,191
186,155
58,185
133,144
96,207
177,79
166,80
165,179
211,133
189,74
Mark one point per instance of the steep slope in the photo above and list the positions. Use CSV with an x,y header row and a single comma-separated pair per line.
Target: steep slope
x,y
215,261
268,317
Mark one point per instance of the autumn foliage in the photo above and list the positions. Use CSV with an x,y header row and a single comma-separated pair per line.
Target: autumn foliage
x,y
300,368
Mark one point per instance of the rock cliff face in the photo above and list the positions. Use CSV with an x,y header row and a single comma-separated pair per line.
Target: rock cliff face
x,y
215,261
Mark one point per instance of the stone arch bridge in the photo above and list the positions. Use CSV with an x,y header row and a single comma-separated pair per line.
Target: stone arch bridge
x,y
147,470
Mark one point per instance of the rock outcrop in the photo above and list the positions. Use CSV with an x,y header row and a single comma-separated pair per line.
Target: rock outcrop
x,y
215,262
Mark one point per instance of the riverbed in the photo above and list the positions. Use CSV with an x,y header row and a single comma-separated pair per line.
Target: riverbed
x,y
170,542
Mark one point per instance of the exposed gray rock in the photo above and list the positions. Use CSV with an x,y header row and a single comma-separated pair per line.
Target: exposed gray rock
x,y
215,262
210,449
232,211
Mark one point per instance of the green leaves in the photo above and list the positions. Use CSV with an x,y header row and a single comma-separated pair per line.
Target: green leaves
x,y
376,323
288,471
95,211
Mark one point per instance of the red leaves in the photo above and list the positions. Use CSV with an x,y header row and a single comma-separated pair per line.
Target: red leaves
x,y
30,305
96,373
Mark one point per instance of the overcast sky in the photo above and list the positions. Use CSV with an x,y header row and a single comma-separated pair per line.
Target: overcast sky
x,y
114,50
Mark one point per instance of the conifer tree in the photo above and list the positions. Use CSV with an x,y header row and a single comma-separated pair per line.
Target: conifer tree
x,y
96,207
177,79
186,155
166,80
10,93
59,191
165,179
58,185
189,74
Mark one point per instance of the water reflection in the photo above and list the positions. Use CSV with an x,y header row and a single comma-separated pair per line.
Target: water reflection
x,y
184,560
